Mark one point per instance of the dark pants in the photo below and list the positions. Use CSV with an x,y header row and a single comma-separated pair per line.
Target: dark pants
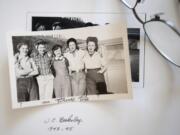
x,y
27,89
95,82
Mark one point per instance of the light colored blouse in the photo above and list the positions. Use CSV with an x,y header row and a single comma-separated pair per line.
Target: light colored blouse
x,y
25,66
75,61
94,61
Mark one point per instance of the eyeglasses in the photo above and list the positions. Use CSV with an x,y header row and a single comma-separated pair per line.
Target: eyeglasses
x,y
162,34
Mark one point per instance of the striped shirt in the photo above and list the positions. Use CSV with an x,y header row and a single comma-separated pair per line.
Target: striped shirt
x,y
44,63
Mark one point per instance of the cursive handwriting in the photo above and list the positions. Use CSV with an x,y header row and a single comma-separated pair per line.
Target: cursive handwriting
x,y
82,98
63,123
58,128
63,99
70,119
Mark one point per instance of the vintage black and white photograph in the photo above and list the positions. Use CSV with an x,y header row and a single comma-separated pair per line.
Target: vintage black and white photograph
x,y
46,66
50,21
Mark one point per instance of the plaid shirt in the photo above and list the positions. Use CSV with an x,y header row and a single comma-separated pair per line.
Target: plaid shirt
x,y
44,64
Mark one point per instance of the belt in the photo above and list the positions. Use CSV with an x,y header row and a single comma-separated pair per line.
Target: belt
x,y
45,76
25,77
93,69
80,70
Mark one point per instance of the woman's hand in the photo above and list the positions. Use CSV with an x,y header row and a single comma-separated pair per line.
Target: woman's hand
x,y
70,72
28,70
102,70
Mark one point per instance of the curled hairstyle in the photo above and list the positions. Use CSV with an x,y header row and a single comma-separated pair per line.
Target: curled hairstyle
x,y
93,39
37,25
39,42
21,44
54,25
55,47
72,40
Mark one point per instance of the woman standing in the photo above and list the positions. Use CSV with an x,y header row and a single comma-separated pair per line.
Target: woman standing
x,y
62,85
95,67
25,68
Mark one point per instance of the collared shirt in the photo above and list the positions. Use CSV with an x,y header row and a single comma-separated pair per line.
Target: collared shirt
x,y
59,58
94,61
44,63
75,61
62,58
24,66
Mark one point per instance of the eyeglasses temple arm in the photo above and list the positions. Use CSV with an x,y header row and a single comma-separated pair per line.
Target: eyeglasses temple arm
x,y
137,17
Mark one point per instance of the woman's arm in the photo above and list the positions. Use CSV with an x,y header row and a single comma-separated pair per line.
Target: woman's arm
x,y
103,65
67,66
34,68
20,72
102,70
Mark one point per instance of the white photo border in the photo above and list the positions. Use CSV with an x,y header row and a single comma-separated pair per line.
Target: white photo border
x,y
16,104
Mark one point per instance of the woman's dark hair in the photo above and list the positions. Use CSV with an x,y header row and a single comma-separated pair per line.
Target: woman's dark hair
x,y
55,24
55,47
21,44
39,42
37,25
93,39
72,40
